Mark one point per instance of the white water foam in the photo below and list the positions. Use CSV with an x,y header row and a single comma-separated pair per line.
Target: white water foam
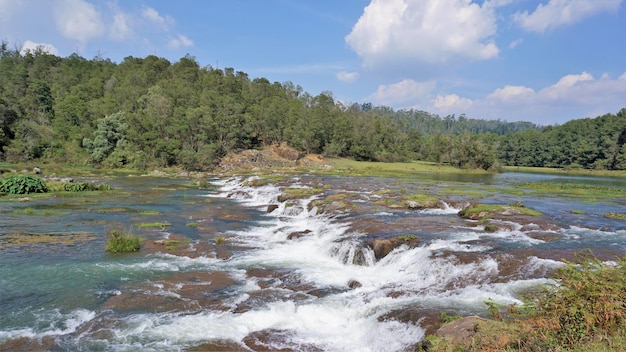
x,y
327,256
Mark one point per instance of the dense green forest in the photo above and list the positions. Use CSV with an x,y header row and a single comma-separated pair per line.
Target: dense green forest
x,y
149,112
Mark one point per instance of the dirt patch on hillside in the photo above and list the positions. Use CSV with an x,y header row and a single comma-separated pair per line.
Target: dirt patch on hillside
x,y
273,157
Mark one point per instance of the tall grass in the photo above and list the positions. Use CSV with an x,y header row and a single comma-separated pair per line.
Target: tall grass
x,y
122,241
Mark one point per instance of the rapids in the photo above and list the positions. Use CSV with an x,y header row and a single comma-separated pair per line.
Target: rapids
x,y
288,275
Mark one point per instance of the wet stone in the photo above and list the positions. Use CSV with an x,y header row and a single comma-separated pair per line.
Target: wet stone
x,y
178,292
277,340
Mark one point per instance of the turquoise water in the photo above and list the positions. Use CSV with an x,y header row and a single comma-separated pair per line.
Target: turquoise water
x,y
61,290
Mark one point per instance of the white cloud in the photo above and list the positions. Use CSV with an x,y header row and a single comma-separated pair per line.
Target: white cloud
x,y
565,86
430,31
153,16
79,20
347,76
30,46
451,103
179,41
558,13
406,92
572,96
509,93
514,44
122,28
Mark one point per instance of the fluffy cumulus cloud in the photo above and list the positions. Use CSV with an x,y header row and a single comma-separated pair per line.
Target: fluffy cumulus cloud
x,y
78,20
451,102
404,93
30,46
572,96
426,31
558,13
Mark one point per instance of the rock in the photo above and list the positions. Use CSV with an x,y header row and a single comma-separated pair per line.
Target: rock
x,y
271,208
36,170
352,284
382,247
461,330
414,205
298,234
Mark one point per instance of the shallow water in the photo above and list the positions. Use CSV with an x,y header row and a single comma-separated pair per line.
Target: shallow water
x,y
323,290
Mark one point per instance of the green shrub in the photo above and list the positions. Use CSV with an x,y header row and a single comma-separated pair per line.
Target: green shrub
x,y
85,186
22,184
122,241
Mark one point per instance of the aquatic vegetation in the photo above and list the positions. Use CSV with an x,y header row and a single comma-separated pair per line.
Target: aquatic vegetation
x,y
66,239
154,224
616,216
40,212
192,224
220,239
22,184
406,237
149,212
577,211
576,190
122,241
85,186
476,211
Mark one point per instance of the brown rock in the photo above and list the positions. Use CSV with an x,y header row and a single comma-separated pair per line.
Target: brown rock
x,y
382,247
461,330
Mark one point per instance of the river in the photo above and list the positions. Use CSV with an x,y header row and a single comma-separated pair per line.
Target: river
x,y
234,268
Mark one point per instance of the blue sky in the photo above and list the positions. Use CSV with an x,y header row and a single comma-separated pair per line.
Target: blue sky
x,y
544,61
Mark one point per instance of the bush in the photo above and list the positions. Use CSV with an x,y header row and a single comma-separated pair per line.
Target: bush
x,y
22,184
85,186
122,241
588,303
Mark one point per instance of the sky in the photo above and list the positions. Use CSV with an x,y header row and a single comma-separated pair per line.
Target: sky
x,y
543,61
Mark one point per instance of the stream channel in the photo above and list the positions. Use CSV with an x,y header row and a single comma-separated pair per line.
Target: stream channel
x,y
233,268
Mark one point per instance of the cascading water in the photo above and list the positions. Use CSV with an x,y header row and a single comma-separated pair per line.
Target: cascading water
x,y
297,279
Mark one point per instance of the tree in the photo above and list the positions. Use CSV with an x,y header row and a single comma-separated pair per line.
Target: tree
x,y
109,136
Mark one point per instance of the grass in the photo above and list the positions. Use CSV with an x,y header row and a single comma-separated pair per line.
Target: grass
x,y
122,241
578,172
576,190
342,166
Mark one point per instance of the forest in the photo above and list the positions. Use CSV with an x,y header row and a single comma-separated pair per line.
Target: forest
x,y
150,112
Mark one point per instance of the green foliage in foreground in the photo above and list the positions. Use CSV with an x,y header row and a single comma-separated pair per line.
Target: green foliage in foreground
x,y
585,311
22,184
122,241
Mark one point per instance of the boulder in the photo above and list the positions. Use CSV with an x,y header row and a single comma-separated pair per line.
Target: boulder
x,y
460,331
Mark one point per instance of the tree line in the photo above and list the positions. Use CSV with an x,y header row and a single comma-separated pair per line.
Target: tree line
x,y
149,112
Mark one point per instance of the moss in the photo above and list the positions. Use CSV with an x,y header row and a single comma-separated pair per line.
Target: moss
x,y
481,210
